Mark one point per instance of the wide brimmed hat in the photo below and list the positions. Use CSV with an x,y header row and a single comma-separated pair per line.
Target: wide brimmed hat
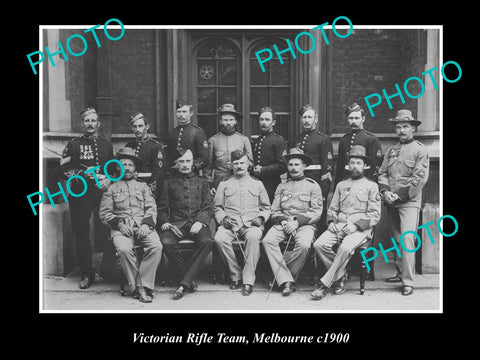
x,y
405,116
230,109
129,153
296,153
359,151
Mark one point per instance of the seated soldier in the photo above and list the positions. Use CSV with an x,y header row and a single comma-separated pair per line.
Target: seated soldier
x,y
129,209
353,212
185,209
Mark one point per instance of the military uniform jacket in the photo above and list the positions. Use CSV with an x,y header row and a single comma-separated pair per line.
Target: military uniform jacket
x,y
404,171
299,200
129,200
268,152
373,149
185,198
355,201
319,147
83,152
152,169
191,137
242,199
220,146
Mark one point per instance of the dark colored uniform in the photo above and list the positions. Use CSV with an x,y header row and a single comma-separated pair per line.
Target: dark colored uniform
x,y
152,169
79,154
268,152
191,137
373,149
184,200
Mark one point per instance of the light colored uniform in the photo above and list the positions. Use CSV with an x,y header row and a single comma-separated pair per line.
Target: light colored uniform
x,y
404,171
242,199
355,202
299,200
220,146
133,202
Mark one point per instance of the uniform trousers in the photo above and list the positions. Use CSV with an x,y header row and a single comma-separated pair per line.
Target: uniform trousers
x,y
252,235
289,268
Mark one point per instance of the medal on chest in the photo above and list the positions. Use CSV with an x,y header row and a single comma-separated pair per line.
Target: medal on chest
x,y
86,152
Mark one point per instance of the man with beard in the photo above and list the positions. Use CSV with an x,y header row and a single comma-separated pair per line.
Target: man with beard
x,y
86,156
357,136
224,143
129,209
354,211
269,150
185,209
402,176
187,136
319,147
150,151
241,209
295,210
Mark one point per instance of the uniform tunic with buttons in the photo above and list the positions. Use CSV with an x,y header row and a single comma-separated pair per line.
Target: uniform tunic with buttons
x,y
268,151
191,137
150,151
404,171
319,147
220,147
185,199
373,149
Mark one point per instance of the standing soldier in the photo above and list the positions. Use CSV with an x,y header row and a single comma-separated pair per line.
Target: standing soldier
x,y
319,147
187,136
150,151
402,176
86,156
224,143
185,209
295,211
358,136
354,211
269,150
241,209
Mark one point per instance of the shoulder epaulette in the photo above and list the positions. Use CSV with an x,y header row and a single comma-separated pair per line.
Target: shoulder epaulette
x,y
418,142
153,140
311,180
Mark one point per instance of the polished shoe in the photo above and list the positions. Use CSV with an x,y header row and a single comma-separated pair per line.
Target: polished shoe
x,y
339,287
86,282
288,288
394,279
407,290
236,285
178,294
143,296
247,290
319,293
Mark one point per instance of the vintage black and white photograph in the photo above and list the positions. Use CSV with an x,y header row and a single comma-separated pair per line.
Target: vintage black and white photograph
x,y
241,168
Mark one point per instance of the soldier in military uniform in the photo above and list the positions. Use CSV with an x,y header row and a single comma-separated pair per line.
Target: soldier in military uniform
x,y
402,176
224,143
269,150
296,209
86,156
129,209
185,210
319,147
241,209
357,136
150,151
354,211
187,136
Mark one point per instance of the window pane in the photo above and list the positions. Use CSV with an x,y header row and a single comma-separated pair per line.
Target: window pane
x,y
258,98
206,72
227,72
227,95
281,99
216,50
280,72
207,100
208,123
281,127
257,77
